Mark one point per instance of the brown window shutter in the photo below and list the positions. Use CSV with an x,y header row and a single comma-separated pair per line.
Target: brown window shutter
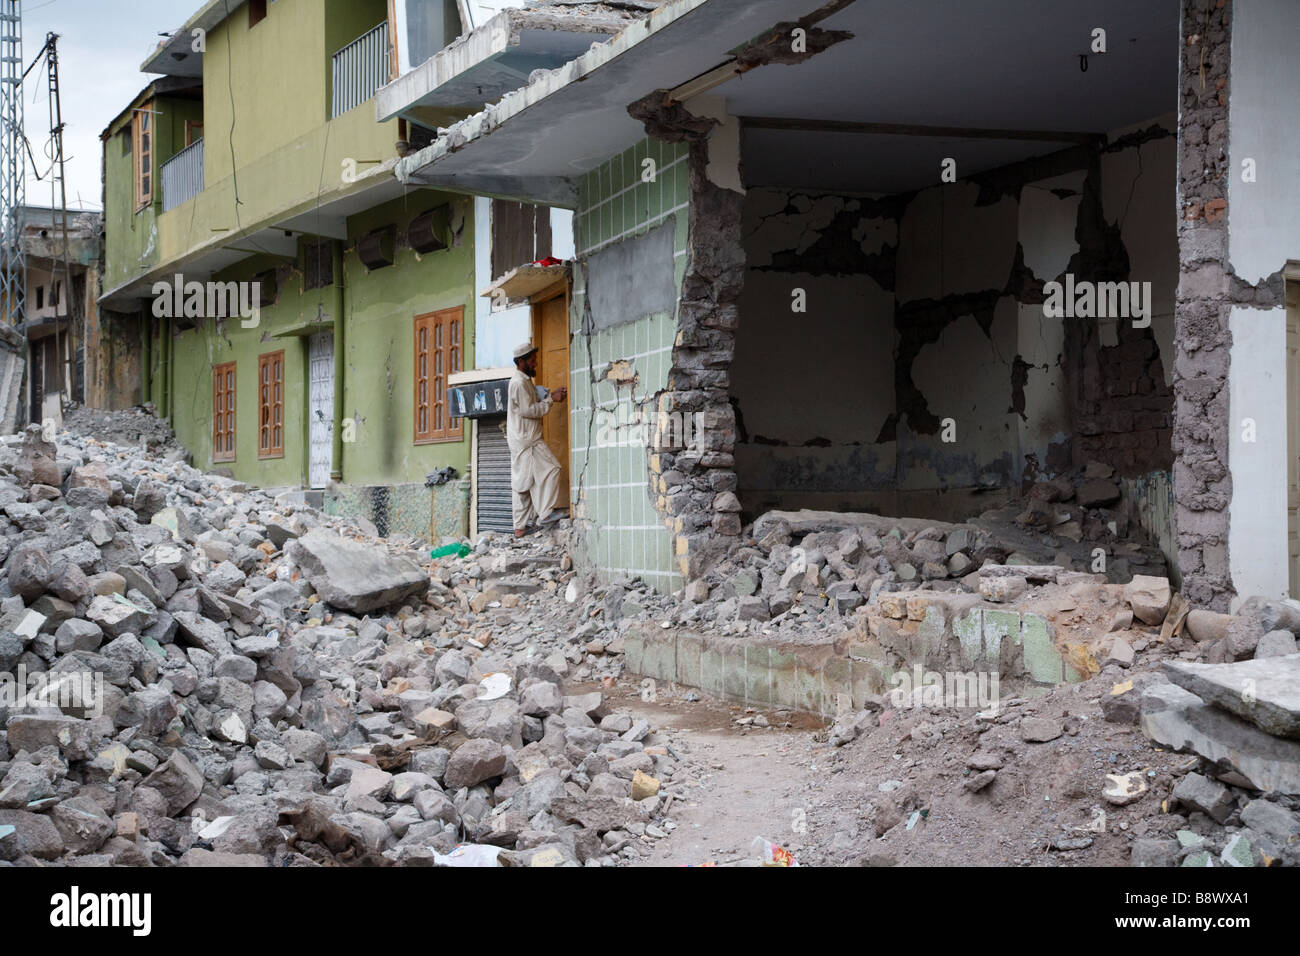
x,y
270,405
438,351
223,412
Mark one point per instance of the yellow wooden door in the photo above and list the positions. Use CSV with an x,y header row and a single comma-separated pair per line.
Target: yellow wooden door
x,y
551,333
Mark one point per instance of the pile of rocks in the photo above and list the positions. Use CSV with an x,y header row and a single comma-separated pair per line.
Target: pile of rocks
x,y
1240,714
798,567
197,673
129,426
1080,506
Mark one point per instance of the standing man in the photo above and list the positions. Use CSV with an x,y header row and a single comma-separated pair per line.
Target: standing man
x,y
534,472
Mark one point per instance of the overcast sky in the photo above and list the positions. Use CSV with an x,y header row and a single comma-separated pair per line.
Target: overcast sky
x,y
101,46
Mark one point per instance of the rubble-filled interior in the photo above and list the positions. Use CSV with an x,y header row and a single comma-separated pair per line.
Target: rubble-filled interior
x,y
910,341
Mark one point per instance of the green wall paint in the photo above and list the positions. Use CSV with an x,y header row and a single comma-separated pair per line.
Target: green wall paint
x,y
379,310
382,306
268,138
132,246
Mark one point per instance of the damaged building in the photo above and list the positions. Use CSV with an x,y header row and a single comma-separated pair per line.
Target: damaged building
x,y
60,331
852,257
294,311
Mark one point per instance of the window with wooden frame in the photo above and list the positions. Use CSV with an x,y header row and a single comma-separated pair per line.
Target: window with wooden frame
x,y
193,131
223,412
142,136
270,405
437,355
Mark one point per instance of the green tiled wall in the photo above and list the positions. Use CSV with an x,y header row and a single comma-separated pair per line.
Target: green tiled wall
x,y
624,532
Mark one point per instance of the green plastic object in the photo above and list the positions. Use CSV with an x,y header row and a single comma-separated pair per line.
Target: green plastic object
x,y
448,550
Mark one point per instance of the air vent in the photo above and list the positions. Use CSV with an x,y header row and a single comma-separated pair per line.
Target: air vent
x,y
375,248
430,231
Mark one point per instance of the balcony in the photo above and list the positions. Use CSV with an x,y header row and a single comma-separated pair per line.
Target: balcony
x,y
182,176
360,69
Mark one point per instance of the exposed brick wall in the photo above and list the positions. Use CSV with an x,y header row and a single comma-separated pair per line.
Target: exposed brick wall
x,y
694,487
1202,482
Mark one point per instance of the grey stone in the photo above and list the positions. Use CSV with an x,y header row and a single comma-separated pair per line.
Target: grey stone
x,y
1205,626
1182,721
1265,692
499,720
1201,793
540,698
1274,821
1002,589
1149,852
1149,598
1040,729
202,633
82,824
116,616
75,634
473,762
599,813
35,835
355,576
178,781
1097,493
30,573
73,737
151,710
1276,644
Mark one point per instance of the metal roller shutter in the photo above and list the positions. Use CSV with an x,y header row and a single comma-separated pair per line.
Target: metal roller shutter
x,y
493,470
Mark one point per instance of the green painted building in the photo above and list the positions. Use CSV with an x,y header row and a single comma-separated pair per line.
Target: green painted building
x,y
297,310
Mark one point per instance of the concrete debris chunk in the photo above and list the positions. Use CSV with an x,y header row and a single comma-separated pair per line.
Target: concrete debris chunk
x,y
354,576
1264,691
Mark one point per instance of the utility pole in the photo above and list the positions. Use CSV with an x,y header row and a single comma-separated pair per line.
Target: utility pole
x,y
59,207
13,199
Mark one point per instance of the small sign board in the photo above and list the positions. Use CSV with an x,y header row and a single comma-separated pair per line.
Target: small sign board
x,y
478,399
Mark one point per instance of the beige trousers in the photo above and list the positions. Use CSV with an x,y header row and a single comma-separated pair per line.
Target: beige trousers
x,y
534,484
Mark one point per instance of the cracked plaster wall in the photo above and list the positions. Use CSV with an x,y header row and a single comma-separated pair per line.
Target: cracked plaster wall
x,y
928,306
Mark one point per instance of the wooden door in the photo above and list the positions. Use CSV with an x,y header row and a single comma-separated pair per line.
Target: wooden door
x,y
551,333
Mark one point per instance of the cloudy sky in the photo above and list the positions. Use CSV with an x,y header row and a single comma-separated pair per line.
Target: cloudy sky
x,y
101,46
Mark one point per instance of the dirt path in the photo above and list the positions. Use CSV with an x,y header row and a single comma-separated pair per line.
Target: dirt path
x,y
739,782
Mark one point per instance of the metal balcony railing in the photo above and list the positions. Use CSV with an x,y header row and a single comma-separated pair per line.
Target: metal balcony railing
x,y
360,69
182,175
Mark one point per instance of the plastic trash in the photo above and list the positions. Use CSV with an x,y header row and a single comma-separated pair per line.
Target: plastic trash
x,y
769,854
450,550
469,854
494,686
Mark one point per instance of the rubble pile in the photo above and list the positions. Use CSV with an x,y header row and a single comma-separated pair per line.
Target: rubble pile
x,y
138,426
794,568
197,673
1233,701
1152,759
1083,505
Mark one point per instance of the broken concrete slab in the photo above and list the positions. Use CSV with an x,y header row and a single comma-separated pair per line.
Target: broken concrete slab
x,y
1030,572
1179,719
354,576
1264,691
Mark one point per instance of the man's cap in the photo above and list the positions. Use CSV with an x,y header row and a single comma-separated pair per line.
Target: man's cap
x,y
524,350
